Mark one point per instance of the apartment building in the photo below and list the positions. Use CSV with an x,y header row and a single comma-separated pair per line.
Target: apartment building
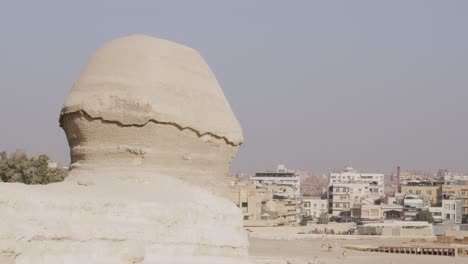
x,y
452,211
348,188
373,213
350,175
314,206
430,191
343,196
267,205
245,195
453,190
437,214
282,177
282,210
412,205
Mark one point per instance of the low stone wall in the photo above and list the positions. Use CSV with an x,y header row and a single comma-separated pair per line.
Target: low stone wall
x,y
408,232
441,229
261,223
297,232
396,231
457,234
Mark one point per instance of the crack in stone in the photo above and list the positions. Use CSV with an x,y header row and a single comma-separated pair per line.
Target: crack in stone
x,y
181,128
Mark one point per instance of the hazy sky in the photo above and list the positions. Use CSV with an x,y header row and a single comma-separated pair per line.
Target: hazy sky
x,y
315,84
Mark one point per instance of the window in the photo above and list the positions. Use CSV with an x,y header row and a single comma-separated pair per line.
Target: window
x,y
244,204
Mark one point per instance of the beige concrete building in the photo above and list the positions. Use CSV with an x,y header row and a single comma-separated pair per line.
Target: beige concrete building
x,y
452,211
282,177
412,205
268,205
436,214
431,193
457,192
367,212
461,179
314,206
343,196
373,213
281,210
245,195
375,181
408,176
348,187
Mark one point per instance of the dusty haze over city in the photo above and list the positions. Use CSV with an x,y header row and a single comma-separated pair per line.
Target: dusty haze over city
x,y
315,85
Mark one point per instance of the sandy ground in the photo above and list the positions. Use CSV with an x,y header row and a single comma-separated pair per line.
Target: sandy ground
x,y
311,251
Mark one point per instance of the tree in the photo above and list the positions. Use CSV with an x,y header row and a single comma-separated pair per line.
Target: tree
x,y
18,167
424,215
323,219
378,201
305,219
465,219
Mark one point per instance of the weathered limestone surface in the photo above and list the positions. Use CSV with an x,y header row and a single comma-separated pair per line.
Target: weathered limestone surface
x,y
151,136
138,79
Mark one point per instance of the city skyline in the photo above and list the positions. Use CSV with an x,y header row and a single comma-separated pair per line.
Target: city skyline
x,y
315,86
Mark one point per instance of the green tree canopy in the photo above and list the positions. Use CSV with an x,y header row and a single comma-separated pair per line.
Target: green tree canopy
x,y
323,219
465,219
18,167
305,219
424,215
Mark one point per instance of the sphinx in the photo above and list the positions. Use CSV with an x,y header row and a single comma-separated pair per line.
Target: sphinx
x,y
151,138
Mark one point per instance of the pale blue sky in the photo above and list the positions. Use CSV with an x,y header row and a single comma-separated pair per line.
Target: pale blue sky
x,y
315,84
